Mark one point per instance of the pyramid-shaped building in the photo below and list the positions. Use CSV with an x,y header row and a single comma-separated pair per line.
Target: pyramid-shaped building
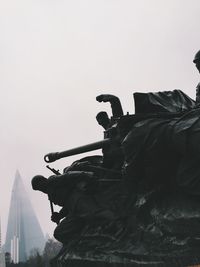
x,y
23,230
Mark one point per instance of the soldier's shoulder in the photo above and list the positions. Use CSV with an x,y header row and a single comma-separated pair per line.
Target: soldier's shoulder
x,y
52,179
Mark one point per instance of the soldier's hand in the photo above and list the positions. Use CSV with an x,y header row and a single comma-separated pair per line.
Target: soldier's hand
x,y
105,98
55,217
80,165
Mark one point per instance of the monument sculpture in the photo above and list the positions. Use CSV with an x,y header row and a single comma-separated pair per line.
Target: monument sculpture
x,y
139,203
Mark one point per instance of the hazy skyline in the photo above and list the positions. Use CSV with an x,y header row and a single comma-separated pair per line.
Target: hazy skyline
x,y
24,232
57,56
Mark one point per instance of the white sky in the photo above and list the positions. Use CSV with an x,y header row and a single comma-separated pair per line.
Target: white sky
x,y
56,56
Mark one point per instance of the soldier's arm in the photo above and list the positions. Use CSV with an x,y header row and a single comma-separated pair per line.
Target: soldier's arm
x,y
70,176
63,212
77,166
198,94
57,216
116,106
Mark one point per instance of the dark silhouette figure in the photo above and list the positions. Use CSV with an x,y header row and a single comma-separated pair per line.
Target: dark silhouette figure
x,y
112,154
103,119
72,191
196,61
116,106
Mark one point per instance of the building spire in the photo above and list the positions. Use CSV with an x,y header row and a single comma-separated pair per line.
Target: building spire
x,y
23,229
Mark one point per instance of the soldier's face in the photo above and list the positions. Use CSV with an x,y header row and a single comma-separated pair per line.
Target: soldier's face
x,y
197,64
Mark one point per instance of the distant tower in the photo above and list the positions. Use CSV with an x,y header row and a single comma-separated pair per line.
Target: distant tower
x,y
23,230
2,255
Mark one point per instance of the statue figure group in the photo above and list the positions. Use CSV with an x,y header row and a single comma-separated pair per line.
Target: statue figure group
x,y
78,190
148,152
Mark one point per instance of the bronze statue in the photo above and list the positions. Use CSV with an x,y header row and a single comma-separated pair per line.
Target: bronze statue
x,y
139,201
116,107
196,61
74,192
103,119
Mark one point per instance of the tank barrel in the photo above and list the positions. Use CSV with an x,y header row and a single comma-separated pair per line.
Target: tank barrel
x,y
51,157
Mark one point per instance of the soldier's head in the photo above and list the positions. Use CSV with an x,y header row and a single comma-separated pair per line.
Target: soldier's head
x,y
103,119
39,183
196,60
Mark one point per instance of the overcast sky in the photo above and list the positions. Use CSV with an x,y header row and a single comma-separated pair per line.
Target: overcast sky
x,y
56,56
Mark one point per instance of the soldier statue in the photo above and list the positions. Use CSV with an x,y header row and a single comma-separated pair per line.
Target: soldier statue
x,y
74,192
196,61
116,107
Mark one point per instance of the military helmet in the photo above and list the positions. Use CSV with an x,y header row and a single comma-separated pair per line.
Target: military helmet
x,y
37,181
197,57
101,115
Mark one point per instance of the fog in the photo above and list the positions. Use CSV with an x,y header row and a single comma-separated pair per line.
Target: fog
x,y
57,56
